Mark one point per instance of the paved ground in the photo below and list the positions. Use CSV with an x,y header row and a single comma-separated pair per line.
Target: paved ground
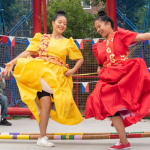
x,y
90,125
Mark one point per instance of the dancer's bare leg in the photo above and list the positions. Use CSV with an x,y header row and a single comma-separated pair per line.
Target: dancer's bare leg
x,y
118,124
44,114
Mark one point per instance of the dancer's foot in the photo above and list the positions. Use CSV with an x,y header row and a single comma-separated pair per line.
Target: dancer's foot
x,y
4,122
120,145
44,142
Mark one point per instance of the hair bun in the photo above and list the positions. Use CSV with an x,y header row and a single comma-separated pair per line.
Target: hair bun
x,y
101,13
61,12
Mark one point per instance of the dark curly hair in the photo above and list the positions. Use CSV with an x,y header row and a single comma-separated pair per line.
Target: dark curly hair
x,y
103,17
59,13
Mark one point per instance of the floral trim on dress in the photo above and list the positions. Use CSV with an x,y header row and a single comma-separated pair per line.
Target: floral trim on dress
x,y
54,60
113,60
43,50
43,46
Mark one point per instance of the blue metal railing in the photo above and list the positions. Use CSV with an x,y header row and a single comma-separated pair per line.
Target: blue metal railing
x,y
17,26
133,27
2,22
145,24
14,100
21,22
127,21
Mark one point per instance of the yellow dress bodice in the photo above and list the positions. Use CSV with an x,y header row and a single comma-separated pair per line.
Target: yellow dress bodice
x,y
58,48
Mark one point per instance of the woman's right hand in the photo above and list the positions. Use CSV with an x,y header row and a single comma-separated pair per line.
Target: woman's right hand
x,y
98,70
8,69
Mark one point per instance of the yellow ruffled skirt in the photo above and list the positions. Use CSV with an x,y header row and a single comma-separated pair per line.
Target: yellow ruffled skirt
x,y
28,73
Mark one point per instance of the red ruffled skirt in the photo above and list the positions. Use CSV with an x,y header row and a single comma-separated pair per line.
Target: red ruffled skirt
x,y
121,88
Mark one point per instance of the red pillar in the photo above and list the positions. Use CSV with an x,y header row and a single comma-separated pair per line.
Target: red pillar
x,y
111,11
36,16
45,16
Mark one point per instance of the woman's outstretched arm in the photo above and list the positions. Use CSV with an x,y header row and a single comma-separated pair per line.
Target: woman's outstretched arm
x,y
9,65
142,37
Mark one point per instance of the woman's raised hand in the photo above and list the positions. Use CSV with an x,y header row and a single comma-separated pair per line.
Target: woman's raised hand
x,y
8,69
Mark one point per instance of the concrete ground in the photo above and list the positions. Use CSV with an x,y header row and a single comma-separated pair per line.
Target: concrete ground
x,y
90,125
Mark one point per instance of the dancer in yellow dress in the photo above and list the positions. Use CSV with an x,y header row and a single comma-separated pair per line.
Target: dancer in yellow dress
x,y
46,81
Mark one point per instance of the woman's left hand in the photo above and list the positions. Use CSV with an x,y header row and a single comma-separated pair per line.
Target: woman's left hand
x,y
69,72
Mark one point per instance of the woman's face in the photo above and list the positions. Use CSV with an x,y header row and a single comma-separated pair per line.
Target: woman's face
x,y
103,28
60,24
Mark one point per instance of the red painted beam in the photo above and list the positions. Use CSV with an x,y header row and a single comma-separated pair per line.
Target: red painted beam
x,y
45,16
111,11
18,111
36,16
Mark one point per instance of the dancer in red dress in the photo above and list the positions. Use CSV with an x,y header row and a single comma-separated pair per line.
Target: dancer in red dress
x,y
123,91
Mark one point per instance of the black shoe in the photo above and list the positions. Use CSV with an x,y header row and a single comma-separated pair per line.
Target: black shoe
x,y
4,122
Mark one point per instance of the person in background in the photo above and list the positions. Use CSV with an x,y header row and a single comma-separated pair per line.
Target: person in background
x,y
3,103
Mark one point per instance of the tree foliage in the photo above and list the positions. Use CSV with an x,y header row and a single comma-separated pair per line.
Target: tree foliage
x,y
79,22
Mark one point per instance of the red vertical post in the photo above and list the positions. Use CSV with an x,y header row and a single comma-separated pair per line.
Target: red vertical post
x,y
36,16
45,16
36,22
111,11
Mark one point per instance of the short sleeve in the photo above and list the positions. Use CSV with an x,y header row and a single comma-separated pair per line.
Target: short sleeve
x,y
74,52
34,43
126,36
96,52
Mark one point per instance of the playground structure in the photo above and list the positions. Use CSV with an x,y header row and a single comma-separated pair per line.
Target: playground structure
x,y
17,107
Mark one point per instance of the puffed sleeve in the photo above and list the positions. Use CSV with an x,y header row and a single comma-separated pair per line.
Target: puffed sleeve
x,y
74,53
34,43
126,36
96,52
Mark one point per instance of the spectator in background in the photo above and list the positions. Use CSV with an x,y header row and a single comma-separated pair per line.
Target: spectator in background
x,y
3,103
